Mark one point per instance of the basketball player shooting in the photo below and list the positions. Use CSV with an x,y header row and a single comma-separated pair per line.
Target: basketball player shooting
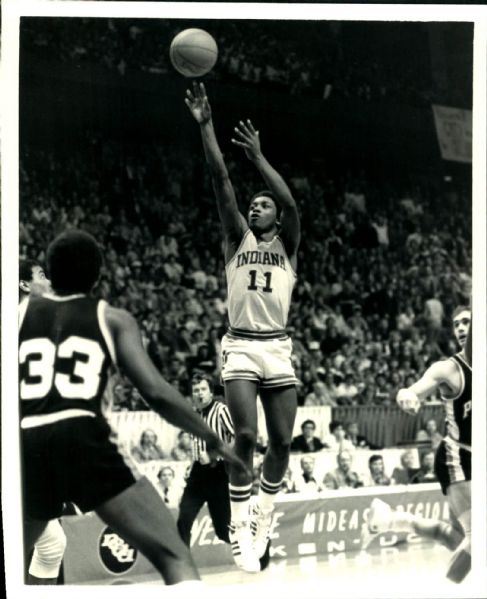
x,y
453,378
260,256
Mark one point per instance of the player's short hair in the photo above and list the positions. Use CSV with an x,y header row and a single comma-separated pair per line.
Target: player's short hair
x,y
73,262
308,422
25,269
199,377
376,457
266,193
460,309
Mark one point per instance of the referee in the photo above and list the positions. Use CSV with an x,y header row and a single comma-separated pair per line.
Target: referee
x,y
208,480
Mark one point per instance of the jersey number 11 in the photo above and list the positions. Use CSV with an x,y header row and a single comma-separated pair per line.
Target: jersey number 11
x,y
253,281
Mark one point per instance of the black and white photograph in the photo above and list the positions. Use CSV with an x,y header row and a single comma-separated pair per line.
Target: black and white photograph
x,y
241,249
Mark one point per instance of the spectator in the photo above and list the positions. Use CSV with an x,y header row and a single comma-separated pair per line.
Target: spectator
x,y
337,440
320,396
426,473
169,489
306,482
377,475
288,483
403,475
183,450
347,391
307,442
357,440
343,476
147,449
430,434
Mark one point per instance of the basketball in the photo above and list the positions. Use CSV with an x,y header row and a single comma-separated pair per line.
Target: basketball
x,y
193,52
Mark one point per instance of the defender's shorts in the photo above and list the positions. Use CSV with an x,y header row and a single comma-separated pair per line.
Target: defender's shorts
x,y
453,464
70,460
265,361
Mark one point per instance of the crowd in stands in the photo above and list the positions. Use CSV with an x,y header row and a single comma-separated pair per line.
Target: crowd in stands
x,y
319,59
380,270
342,443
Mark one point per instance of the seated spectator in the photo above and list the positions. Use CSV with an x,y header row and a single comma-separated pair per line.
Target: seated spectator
x,y
426,473
147,449
306,482
403,475
377,475
320,396
307,442
347,391
169,489
337,438
356,439
430,434
343,476
288,483
184,448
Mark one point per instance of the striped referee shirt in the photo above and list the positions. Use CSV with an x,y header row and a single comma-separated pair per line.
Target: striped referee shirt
x,y
217,417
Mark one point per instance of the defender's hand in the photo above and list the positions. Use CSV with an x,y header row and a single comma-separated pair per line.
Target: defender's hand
x,y
197,102
248,139
226,452
408,401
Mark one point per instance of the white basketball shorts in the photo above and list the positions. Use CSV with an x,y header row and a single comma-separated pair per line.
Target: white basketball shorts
x,y
267,362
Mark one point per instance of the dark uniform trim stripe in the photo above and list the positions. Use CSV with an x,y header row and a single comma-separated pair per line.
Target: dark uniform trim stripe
x,y
256,335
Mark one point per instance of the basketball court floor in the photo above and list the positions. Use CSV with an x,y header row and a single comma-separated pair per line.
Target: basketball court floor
x,y
404,571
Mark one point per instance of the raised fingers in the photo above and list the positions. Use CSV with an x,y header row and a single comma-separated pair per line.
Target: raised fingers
x,y
251,128
239,143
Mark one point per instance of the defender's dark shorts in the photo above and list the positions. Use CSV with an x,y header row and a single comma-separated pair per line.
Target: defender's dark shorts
x,y
70,460
453,464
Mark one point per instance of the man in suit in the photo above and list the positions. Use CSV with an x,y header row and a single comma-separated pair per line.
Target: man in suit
x,y
307,442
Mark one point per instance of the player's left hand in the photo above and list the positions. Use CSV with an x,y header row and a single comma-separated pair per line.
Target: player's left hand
x,y
408,401
248,139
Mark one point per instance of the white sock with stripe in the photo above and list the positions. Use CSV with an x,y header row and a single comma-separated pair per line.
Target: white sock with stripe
x,y
267,494
240,502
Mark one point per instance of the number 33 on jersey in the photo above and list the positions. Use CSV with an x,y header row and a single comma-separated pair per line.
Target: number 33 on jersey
x,y
260,281
60,373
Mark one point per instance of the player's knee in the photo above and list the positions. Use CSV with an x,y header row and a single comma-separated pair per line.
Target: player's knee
x,y
52,553
280,448
246,439
48,556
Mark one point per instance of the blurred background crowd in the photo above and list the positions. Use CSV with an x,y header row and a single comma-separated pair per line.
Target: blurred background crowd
x,y
326,59
379,272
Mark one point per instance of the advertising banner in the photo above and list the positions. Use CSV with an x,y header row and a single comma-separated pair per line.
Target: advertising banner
x,y
454,131
325,525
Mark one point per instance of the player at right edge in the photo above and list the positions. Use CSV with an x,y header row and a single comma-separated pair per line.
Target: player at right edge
x,y
453,377
260,263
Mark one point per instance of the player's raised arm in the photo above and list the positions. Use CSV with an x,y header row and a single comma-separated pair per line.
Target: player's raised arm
x,y
439,373
248,139
234,224
159,394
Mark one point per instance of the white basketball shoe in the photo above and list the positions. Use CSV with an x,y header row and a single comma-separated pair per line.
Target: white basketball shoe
x,y
378,520
241,542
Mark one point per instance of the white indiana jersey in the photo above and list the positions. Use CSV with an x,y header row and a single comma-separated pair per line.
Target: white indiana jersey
x,y
260,281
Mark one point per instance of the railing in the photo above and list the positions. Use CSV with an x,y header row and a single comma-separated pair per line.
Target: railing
x,y
389,426
382,426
